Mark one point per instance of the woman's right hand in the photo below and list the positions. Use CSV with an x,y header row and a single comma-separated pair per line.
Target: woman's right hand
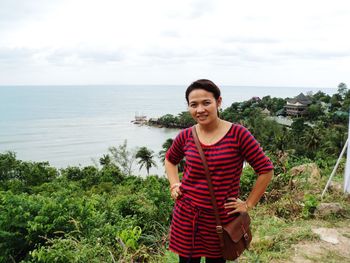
x,y
236,205
175,191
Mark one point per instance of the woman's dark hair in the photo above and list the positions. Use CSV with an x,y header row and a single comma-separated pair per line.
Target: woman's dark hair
x,y
205,84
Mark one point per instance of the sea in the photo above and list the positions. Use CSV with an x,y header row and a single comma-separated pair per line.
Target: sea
x,y
76,125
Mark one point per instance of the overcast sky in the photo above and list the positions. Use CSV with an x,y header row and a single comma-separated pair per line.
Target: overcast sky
x,y
265,43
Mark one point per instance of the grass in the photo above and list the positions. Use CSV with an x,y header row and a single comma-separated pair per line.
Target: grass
x,y
282,222
274,237
171,257
346,235
329,257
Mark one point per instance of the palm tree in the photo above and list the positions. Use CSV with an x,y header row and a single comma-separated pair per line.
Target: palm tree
x,y
145,157
312,138
165,147
105,160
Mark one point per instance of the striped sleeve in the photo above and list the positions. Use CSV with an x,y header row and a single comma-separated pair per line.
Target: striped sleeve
x,y
176,152
252,152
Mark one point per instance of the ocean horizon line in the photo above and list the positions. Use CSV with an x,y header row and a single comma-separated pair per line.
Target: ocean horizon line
x,y
162,85
97,116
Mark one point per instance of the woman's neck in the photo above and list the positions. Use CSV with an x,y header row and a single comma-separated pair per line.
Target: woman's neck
x,y
211,127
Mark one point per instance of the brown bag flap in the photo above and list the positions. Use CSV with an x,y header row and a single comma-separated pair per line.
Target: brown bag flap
x,y
234,228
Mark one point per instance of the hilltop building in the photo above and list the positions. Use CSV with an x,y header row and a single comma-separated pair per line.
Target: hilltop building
x,y
297,107
265,112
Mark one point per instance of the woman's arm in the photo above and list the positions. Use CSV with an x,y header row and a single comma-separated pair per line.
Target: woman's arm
x,y
174,180
259,189
254,196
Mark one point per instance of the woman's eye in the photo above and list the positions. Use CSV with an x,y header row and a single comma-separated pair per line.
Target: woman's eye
x,y
192,105
206,103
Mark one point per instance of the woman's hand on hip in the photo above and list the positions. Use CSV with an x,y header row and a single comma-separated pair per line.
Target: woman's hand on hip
x,y
175,191
236,204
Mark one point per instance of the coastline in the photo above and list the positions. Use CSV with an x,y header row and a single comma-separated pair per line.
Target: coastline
x,y
70,125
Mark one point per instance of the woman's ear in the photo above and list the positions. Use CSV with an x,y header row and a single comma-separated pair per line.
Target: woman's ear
x,y
218,101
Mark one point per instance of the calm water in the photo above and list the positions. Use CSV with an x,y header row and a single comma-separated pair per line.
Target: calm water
x,y
72,125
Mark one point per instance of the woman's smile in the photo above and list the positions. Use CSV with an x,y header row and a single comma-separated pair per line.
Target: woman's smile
x,y
203,106
227,145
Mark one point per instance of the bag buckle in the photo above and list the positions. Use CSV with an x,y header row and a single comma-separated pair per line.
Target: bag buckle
x,y
246,236
219,229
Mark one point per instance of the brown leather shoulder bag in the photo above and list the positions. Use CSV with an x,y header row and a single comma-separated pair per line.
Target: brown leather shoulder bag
x,y
236,236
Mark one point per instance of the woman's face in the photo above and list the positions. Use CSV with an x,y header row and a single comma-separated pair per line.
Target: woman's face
x,y
203,106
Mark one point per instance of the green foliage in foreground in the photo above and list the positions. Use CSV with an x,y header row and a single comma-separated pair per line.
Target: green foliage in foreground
x,y
84,214
98,214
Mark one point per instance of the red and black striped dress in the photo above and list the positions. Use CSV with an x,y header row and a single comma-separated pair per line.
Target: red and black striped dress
x,y
192,231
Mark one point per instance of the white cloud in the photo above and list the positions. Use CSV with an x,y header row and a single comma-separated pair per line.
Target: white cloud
x,y
158,41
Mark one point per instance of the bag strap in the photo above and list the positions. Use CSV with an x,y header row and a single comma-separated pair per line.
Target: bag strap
x,y
219,229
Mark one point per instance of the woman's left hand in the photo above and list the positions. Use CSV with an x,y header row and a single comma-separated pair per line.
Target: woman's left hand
x,y
236,204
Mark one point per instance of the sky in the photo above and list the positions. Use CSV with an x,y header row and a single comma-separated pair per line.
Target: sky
x,y
255,43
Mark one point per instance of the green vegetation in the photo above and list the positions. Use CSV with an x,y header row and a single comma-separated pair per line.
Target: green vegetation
x,y
318,135
123,157
145,157
79,214
99,214
183,120
103,213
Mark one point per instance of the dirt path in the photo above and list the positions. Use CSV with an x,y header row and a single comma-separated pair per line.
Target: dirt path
x,y
333,246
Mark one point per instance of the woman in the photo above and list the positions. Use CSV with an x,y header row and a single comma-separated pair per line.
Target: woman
x,y
226,146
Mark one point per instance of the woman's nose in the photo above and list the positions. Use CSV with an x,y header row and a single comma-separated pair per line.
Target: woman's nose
x,y
200,108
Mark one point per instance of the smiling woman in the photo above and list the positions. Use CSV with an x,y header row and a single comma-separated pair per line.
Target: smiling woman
x,y
203,98
226,146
